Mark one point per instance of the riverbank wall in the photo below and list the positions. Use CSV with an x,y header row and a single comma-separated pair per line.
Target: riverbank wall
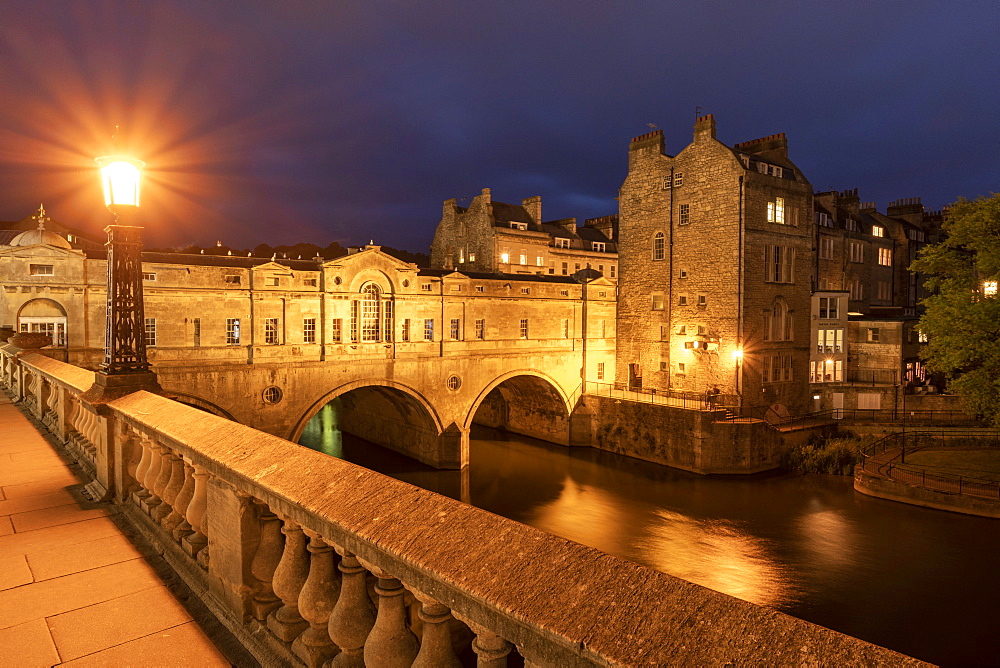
x,y
893,490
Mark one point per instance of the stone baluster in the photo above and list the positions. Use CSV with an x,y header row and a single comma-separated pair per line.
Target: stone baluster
x,y
149,479
353,616
289,578
491,650
265,561
160,484
172,517
316,601
390,642
141,469
196,542
183,528
435,641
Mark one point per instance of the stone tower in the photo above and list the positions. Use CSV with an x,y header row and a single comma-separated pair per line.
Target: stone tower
x,y
715,259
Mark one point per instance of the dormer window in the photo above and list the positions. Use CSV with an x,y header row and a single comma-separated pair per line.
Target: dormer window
x,y
852,225
518,226
878,231
562,243
598,246
148,276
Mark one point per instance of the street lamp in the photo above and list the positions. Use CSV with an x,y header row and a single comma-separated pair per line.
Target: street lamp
x,y
738,357
125,367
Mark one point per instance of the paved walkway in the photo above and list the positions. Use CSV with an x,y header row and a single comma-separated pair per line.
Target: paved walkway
x,y
73,589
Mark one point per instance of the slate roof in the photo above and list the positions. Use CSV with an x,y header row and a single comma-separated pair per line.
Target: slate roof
x,y
234,261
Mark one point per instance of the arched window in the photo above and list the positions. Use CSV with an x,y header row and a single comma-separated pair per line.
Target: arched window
x,y
658,246
371,313
778,322
46,317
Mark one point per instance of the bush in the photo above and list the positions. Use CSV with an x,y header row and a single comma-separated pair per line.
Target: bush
x,y
836,455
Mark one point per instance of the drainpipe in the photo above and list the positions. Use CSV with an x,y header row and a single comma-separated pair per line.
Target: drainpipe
x,y
583,333
670,286
441,343
252,322
322,313
739,296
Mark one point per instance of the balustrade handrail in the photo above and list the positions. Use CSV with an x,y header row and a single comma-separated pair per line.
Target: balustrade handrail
x,y
213,492
918,476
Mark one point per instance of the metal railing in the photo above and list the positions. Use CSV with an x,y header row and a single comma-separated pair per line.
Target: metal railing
x,y
887,456
676,398
873,376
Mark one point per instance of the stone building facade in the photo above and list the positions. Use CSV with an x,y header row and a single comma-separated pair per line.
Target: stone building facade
x,y
716,262
495,237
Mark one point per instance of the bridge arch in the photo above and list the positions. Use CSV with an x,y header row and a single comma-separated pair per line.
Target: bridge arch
x,y
524,401
386,412
201,404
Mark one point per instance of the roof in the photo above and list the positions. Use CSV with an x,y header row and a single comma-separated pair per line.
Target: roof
x,y
506,213
237,262
590,234
534,278
7,235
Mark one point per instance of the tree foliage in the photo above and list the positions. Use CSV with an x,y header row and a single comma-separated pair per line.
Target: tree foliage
x,y
961,319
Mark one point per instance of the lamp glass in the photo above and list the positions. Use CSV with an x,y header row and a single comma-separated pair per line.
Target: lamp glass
x,y
121,179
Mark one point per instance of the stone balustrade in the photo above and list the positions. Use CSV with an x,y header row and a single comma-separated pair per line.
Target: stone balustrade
x,y
308,559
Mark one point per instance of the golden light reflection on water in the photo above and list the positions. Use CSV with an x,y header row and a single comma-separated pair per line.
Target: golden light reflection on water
x,y
713,553
830,540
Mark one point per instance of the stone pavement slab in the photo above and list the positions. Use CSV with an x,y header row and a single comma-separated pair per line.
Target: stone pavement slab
x,y
36,502
14,572
50,517
179,646
6,527
64,536
113,549
28,645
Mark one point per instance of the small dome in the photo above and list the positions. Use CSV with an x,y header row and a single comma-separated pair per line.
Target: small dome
x,y
40,235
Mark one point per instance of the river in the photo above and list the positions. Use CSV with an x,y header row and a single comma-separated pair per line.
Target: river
x,y
920,581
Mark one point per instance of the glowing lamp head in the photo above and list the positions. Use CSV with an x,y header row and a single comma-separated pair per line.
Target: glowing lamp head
x,y
120,176
738,354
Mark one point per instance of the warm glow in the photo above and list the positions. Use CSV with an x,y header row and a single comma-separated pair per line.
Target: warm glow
x,y
120,176
990,289
738,354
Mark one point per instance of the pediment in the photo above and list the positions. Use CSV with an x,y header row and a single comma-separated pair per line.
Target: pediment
x,y
272,267
372,257
42,250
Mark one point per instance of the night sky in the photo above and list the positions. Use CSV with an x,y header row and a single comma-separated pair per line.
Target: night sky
x,y
348,121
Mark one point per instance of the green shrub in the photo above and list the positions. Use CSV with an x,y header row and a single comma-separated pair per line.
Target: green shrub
x,y
836,455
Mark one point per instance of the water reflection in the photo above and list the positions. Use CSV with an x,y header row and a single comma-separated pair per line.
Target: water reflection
x,y
919,581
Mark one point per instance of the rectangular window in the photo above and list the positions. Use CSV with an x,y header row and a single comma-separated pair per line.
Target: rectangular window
x,y
429,329
562,243
777,368
658,303
878,231
612,271
523,258
873,334
150,331
885,257
387,325
270,331
828,308
702,300
565,268
664,333
598,246
525,291
337,330
272,281
197,331
576,266
233,279
456,329
480,288
148,276
539,261
682,300
481,329
523,328
663,365
826,248
600,371
684,215
856,288
565,328
855,251
823,220
681,368
830,341
309,330
505,256
776,211
404,334
355,307
778,263
851,224
233,331
310,282
603,330
678,179
426,287
564,293
41,269
883,291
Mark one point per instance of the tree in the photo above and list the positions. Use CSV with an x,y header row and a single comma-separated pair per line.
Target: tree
x,y
962,314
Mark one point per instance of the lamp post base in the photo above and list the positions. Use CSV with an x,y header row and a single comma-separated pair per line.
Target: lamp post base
x,y
108,387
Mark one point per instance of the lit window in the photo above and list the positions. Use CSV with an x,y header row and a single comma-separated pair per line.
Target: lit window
x,y
429,329
309,330
371,313
539,261
776,211
598,246
148,276
878,231
885,257
150,331
233,331
990,289
658,303
830,341
659,246
472,257
562,243
922,337
523,258
505,256
270,331
456,329
41,270
684,214
523,328
481,329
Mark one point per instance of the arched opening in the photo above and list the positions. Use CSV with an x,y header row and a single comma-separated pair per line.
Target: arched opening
x,y
526,404
45,316
385,414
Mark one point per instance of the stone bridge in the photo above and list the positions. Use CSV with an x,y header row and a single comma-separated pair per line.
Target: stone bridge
x,y
306,558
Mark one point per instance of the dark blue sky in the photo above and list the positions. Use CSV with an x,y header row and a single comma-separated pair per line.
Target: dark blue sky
x,y
320,121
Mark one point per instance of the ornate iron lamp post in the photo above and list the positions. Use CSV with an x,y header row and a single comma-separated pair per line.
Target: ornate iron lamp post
x,y
125,367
